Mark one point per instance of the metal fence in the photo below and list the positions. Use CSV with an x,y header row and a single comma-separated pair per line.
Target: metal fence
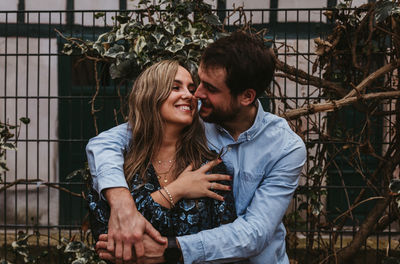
x,y
38,193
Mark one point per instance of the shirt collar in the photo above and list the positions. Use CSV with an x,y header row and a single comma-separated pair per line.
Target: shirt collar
x,y
251,132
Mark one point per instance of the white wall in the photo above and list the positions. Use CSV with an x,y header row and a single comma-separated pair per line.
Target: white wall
x,y
37,158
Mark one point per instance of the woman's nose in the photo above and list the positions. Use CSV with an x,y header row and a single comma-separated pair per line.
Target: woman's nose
x,y
187,94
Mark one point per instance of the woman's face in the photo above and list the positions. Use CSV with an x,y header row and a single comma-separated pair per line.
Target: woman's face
x,y
180,106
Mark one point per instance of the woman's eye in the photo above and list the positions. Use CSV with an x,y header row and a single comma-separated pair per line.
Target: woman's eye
x,y
192,91
176,88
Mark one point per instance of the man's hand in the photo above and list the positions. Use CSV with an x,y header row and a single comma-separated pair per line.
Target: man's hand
x,y
126,227
154,252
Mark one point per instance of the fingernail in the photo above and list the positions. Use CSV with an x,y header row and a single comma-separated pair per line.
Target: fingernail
x,y
219,159
229,188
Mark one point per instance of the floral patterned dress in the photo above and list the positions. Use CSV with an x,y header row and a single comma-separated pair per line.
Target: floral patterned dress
x,y
189,216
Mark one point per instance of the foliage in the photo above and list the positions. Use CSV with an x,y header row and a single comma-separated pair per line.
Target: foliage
x,y
359,59
73,251
5,144
181,31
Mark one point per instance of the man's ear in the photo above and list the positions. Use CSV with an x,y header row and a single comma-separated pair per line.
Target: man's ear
x,y
247,97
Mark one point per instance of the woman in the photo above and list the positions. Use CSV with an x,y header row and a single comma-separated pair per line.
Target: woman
x,y
167,138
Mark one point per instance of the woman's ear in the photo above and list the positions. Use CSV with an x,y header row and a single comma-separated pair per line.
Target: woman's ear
x,y
247,97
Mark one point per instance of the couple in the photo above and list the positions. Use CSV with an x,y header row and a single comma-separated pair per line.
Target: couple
x,y
260,151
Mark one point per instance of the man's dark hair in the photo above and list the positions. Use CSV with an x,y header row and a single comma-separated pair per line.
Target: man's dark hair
x,y
249,64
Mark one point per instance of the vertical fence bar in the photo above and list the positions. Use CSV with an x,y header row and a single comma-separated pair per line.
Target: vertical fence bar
x,y
26,129
15,122
38,127
5,121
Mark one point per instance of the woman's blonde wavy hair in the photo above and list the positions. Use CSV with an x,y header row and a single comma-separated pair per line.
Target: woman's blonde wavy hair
x,y
150,90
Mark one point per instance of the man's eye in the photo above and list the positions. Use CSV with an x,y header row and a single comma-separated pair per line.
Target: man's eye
x,y
210,88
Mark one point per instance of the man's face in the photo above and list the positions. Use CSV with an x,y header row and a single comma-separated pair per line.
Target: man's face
x,y
217,103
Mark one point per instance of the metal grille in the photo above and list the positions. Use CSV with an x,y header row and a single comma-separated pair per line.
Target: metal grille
x,y
54,91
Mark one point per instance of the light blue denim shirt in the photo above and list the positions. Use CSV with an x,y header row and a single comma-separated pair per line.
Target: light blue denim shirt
x,y
265,162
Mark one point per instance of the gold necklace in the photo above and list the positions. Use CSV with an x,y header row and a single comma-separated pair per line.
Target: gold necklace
x,y
158,174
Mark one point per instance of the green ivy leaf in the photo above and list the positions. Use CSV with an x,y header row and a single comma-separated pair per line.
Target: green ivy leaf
x,y
8,146
73,174
384,10
158,37
394,185
212,20
175,47
140,43
114,51
74,246
170,28
99,14
25,120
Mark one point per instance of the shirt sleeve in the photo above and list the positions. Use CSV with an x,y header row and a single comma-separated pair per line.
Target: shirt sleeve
x,y
253,231
105,157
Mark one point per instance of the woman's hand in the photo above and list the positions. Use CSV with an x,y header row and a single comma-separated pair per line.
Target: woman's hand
x,y
196,183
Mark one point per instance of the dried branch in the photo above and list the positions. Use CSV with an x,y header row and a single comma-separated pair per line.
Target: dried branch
x,y
333,105
93,110
373,76
39,182
308,79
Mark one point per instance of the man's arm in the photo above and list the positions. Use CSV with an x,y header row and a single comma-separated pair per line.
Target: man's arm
x,y
126,225
105,154
252,232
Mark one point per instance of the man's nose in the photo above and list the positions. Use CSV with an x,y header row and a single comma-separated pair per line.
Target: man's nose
x,y
199,92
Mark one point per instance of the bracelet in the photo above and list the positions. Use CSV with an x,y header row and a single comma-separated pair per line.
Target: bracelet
x,y
163,196
171,201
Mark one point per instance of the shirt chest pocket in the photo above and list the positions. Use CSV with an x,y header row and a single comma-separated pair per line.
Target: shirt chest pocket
x,y
246,186
251,176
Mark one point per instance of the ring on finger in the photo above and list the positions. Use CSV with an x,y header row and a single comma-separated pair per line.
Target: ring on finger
x,y
212,186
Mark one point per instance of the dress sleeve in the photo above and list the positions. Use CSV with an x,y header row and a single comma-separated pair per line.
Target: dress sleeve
x,y
223,211
99,210
99,213
156,214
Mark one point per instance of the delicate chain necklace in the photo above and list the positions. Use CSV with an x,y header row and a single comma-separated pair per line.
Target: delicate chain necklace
x,y
170,165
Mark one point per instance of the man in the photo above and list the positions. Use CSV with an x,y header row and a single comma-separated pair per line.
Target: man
x,y
262,153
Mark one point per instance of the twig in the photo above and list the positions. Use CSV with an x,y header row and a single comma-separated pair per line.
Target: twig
x,y
93,110
52,185
330,106
312,80
356,205
373,76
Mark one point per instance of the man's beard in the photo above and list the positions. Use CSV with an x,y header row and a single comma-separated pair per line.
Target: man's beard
x,y
219,116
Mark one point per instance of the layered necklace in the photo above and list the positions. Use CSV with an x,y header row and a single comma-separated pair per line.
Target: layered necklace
x,y
164,167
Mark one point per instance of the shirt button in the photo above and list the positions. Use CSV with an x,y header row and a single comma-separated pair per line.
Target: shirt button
x,y
229,148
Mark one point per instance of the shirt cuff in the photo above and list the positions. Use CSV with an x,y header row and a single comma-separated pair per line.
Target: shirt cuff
x,y
107,179
192,249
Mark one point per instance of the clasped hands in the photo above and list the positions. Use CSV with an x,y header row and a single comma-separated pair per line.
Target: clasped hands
x,y
128,229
